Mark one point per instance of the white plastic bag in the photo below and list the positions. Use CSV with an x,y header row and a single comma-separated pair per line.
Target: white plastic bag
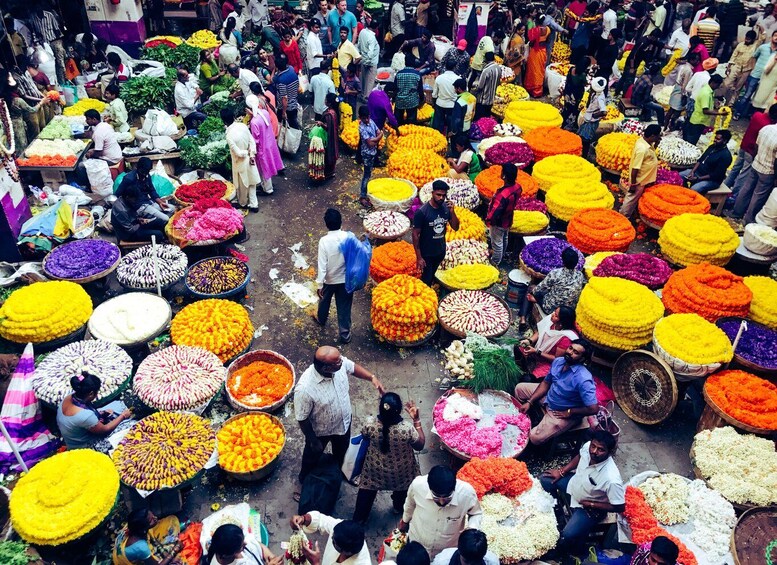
x,y
289,138
304,83
159,122
99,176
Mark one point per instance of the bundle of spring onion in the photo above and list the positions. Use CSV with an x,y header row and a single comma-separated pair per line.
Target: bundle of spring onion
x,y
493,366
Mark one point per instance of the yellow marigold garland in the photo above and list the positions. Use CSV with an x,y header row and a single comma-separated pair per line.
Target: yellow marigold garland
x,y
416,137
403,309
389,190
470,277
530,114
692,339
470,226
763,308
417,166
220,326
613,150
694,238
557,168
566,198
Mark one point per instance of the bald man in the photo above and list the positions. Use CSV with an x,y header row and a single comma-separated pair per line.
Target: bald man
x,y
322,405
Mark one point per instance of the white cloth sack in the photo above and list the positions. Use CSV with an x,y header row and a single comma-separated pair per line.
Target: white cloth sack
x,y
159,122
99,176
289,138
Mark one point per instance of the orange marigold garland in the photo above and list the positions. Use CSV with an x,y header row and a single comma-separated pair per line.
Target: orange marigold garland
x,y
547,141
745,397
707,290
502,475
260,383
395,258
490,180
663,201
597,229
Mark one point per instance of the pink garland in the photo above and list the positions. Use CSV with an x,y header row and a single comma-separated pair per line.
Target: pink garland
x,y
214,223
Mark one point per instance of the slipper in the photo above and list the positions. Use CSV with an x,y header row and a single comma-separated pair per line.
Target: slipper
x,y
295,496
316,320
365,202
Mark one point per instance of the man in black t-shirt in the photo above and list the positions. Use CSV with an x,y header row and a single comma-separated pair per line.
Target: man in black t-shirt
x,y
429,226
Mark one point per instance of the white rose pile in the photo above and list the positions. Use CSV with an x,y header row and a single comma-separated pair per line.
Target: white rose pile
x,y
386,223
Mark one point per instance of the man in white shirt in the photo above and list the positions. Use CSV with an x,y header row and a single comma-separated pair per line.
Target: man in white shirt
x,y
240,17
369,51
609,20
244,78
345,546
322,405
105,145
755,185
315,51
331,276
444,94
438,508
472,549
187,95
258,14
320,85
680,39
594,484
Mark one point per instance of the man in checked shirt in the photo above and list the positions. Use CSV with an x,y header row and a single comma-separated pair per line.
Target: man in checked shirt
x,y
45,28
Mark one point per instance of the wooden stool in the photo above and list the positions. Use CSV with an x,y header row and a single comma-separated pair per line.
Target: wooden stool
x,y
717,198
573,438
126,246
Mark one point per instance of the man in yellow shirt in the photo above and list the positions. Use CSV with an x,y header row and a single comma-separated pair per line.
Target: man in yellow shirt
x,y
347,52
642,169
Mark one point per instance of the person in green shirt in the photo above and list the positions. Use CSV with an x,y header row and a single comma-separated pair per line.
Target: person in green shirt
x,y
212,80
703,110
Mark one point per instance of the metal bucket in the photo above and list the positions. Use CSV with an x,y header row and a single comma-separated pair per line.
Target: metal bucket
x,y
516,287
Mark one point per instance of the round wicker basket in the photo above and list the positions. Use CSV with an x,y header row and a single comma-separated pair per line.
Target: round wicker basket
x,y
769,372
227,294
178,236
461,334
753,533
731,420
261,472
246,359
152,333
373,235
534,274
644,387
82,280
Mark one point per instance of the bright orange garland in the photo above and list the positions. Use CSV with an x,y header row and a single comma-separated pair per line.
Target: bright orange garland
x,y
249,443
547,141
47,161
490,180
502,475
598,229
260,383
663,201
706,290
745,397
391,259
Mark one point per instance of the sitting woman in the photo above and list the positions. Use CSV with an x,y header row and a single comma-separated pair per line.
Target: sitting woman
x,y
466,165
229,546
81,424
554,334
147,540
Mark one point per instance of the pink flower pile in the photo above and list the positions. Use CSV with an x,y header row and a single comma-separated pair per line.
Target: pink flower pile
x,y
643,268
531,205
212,224
668,176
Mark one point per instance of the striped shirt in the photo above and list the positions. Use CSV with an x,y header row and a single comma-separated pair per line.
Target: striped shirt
x,y
46,27
767,150
287,84
325,401
489,80
708,31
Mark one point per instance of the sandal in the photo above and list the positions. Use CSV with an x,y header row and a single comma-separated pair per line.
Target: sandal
x,y
365,202
296,496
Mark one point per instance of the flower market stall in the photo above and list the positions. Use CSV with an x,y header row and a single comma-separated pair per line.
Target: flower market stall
x,y
53,158
642,268
215,324
475,276
387,225
695,238
742,400
558,168
391,193
690,345
209,221
530,217
139,270
250,445
543,255
663,201
462,192
464,252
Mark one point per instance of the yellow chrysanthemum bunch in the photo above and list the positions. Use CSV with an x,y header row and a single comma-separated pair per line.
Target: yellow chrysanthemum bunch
x,y
84,104
505,94
613,114
346,114
418,166
220,326
557,168
763,308
613,150
390,190
470,277
336,71
470,226
530,114
566,198
692,339
415,137
529,221
204,39
593,261
688,239
44,311
64,497
618,313
403,309
560,52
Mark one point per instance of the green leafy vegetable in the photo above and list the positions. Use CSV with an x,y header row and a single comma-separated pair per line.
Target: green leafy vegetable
x,y
494,369
212,125
14,553
183,54
201,153
142,92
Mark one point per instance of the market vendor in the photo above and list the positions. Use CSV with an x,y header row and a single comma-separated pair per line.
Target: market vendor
x,y
116,112
212,80
555,333
229,546
594,485
643,168
128,225
81,424
429,226
710,170
660,551
151,205
147,540
567,394
106,146
346,543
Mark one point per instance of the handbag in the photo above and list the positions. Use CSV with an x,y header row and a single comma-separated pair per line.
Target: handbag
x,y
289,138
353,462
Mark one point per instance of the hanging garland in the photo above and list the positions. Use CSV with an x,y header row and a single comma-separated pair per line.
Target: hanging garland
x,y
7,158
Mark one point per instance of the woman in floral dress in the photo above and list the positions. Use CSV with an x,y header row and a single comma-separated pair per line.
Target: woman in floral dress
x,y
390,463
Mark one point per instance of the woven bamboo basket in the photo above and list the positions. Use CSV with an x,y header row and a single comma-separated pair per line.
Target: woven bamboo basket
x,y
246,359
733,421
83,280
534,274
177,236
461,334
644,387
766,371
261,472
754,532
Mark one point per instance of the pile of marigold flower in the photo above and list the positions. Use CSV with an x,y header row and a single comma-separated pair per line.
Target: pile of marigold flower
x,y
489,180
558,168
418,166
530,217
547,141
564,199
691,344
745,397
763,308
707,290
260,383
530,114
470,226
613,150
663,201
395,258
403,309
596,229
694,238
503,475
416,137
220,326
390,190
474,276
250,442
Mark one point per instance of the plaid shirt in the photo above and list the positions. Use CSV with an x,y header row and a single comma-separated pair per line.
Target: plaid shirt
x,y
640,94
409,88
461,58
46,27
502,206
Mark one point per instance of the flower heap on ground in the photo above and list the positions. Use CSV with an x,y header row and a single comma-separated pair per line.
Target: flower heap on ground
x,y
596,259
695,238
544,255
209,219
84,104
64,497
558,168
643,268
403,309
129,318
103,359
462,192
391,259
665,175
663,201
595,229
744,397
81,258
136,269
618,313
418,166
179,378
415,137
505,94
44,311
463,252
763,308
220,326
474,276
564,199
204,39
548,141
613,150
489,180
504,152
470,226
260,383
249,443
474,311
217,275
530,114
386,223
706,290
691,345
741,467
530,216
678,152
760,239
757,344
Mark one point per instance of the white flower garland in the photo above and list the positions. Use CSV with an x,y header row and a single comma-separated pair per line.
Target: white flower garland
x,y
667,495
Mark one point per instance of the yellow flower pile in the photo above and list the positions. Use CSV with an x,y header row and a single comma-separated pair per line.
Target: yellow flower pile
x,y
346,114
471,277
530,114
529,221
84,104
64,497
417,166
425,112
692,339
613,150
250,442
613,114
688,239
403,309
622,63
349,134
470,226
505,94
763,308
593,261
390,190
557,168
618,313
415,137
566,198
44,311
220,326
560,52
174,39
204,39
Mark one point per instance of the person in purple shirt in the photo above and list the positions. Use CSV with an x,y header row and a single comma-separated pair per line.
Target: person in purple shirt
x,y
568,393
379,104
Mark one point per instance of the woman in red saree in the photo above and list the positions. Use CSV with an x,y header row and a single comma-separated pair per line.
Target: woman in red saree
x,y
538,58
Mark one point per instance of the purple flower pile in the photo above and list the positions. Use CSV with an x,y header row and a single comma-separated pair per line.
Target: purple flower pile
x,y
643,268
544,255
510,152
668,176
531,205
81,259
758,343
483,128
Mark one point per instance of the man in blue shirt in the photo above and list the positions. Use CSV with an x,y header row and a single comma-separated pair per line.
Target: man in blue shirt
x,y
341,17
568,393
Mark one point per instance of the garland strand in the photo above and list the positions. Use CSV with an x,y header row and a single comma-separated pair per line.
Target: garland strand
x,y
769,550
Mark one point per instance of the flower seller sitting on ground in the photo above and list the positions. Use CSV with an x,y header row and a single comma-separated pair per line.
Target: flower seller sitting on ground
x,y
344,545
660,551
555,333
229,546
594,485
126,220
710,170
151,204
568,393
147,540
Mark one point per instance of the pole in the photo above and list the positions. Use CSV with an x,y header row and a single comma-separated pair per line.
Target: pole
x,y
740,331
156,266
13,447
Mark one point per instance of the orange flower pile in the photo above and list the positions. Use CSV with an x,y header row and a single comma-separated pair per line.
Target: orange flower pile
x,y
598,229
745,397
249,443
547,141
391,259
490,180
502,475
663,201
403,309
644,526
47,161
220,326
707,290
260,383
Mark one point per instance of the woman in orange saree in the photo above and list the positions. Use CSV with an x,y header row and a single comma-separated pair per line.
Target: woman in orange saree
x,y
538,57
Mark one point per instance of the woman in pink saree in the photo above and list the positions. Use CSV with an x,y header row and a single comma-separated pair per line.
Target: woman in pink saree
x,y
268,157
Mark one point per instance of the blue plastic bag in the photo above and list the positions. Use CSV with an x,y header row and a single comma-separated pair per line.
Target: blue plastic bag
x,y
358,255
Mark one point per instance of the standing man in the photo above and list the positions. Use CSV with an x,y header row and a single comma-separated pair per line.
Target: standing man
x,y
739,67
608,52
287,89
429,226
444,94
315,51
499,217
322,405
710,170
345,543
680,39
187,95
369,51
347,52
438,508
397,21
410,91
215,19
320,85
342,18
242,148
678,79
45,28
657,19
460,58
244,77
609,22
732,16
322,17
704,112
762,55
369,138
708,29
756,184
486,89
747,147
331,276
464,108
643,168
258,15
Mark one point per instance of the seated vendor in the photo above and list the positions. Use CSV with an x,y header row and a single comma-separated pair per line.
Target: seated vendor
x,y
151,205
81,424
660,551
116,113
555,333
229,546
568,393
594,485
147,540
709,172
106,146
466,163
128,224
